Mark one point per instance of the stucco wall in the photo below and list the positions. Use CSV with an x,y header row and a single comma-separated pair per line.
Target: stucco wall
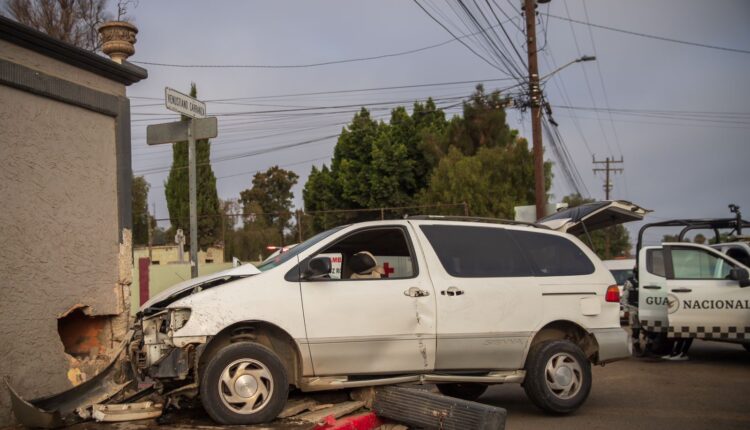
x,y
59,238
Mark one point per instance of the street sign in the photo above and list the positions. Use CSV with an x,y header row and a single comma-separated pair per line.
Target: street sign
x,y
170,132
184,104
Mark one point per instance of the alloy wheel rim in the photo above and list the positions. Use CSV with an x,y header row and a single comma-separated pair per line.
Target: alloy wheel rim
x,y
245,386
563,375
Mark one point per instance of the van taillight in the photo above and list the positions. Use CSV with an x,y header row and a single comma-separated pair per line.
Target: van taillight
x,y
613,294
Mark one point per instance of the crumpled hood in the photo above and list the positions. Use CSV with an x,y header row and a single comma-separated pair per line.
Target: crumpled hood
x,y
239,271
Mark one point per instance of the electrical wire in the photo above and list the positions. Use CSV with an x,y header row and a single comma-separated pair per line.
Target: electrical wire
x,y
461,41
651,36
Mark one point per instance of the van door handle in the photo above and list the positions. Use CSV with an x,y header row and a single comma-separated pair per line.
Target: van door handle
x,y
416,292
681,290
652,287
452,291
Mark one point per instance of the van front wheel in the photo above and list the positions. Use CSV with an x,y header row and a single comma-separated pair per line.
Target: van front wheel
x,y
558,376
244,383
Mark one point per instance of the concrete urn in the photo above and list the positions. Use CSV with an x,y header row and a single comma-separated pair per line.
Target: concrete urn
x,y
118,39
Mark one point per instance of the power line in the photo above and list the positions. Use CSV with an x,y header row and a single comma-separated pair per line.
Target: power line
x,y
650,36
459,39
300,66
396,87
242,155
601,79
588,82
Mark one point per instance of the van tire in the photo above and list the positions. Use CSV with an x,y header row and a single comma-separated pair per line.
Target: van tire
x,y
464,391
558,376
265,381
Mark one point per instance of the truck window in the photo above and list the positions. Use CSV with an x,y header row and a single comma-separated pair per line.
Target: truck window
x,y
476,252
692,263
553,255
740,255
655,262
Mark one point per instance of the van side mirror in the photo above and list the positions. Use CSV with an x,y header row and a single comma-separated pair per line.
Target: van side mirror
x,y
317,268
741,275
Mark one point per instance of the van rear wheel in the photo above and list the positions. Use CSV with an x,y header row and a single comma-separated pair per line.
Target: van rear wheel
x,y
558,376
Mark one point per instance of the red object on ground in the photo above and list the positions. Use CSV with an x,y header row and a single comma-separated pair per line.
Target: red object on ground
x,y
366,421
143,287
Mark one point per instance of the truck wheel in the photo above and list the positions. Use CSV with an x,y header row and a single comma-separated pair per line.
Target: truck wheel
x,y
558,376
244,383
462,391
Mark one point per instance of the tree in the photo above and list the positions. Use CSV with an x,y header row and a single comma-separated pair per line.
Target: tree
x,y
483,124
376,165
71,21
491,182
619,239
270,198
699,238
176,189
141,217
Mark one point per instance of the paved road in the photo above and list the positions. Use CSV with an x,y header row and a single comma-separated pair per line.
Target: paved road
x,y
711,391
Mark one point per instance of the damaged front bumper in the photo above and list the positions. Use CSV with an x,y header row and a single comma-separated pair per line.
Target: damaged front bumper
x,y
149,356
73,405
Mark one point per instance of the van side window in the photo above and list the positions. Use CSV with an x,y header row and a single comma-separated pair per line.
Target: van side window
x,y
373,253
655,262
691,263
553,255
476,252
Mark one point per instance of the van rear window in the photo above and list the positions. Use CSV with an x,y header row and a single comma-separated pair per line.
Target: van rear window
x,y
476,252
553,255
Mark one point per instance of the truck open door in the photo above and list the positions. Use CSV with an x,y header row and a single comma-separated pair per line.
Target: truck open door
x,y
652,290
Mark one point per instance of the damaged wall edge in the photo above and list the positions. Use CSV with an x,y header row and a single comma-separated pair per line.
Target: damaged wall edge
x,y
45,286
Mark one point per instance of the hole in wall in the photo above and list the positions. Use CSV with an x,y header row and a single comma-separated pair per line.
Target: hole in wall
x,y
83,335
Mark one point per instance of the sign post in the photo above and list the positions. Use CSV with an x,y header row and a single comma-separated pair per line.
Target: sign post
x,y
198,126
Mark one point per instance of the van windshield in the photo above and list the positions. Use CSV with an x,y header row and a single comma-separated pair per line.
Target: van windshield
x,y
286,256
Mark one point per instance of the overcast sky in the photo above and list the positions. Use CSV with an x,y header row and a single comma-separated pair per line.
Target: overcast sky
x,y
676,166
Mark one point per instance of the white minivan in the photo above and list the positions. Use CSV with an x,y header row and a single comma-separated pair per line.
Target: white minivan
x,y
462,303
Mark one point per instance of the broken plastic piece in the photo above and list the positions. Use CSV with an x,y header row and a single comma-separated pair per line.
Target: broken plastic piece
x,y
60,409
126,411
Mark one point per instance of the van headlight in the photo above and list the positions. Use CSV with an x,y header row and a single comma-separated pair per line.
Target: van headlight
x,y
178,318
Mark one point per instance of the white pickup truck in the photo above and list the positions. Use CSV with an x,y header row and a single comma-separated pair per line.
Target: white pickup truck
x,y
455,302
689,290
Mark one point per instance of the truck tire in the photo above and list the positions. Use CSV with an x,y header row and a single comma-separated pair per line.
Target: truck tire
x,y
244,383
462,391
558,376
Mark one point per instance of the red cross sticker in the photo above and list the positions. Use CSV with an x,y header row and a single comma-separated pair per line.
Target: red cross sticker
x,y
388,270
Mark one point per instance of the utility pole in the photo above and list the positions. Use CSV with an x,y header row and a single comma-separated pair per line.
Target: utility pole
x,y
608,162
540,193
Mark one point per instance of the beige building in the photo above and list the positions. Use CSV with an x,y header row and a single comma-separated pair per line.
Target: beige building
x,y
170,254
65,178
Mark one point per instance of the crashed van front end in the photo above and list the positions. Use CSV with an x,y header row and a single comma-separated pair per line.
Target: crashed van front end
x,y
155,352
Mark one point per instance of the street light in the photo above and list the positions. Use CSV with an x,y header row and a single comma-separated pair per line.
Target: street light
x,y
577,60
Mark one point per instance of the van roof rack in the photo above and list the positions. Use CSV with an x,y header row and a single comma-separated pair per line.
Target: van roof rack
x,y
475,219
